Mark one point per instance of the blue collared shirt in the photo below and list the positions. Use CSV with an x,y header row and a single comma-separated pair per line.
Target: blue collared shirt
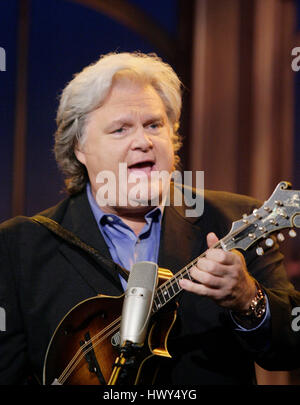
x,y
127,248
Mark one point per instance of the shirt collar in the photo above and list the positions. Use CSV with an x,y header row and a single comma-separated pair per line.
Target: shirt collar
x,y
101,216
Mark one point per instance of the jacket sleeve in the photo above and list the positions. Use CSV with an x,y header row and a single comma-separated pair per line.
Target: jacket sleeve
x,y
283,341
13,351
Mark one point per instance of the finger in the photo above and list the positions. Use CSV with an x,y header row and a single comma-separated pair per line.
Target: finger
x,y
221,256
200,289
211,266
208,279
212,239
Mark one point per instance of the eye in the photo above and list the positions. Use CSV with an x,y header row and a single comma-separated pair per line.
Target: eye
x,y
155,125
118,131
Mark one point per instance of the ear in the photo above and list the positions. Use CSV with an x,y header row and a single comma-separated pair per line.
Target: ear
x,y
80,154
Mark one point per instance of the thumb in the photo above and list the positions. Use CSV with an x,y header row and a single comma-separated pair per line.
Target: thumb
x,y
212,239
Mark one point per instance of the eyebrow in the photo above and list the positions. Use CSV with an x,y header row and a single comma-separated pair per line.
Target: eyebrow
x,y
154,118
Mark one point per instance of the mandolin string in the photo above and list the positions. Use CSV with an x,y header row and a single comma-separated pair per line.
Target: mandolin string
x,y
80,352
72,368
185,271
179,275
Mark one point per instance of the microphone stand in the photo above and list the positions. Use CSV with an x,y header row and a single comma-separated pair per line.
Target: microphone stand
x,y
123,362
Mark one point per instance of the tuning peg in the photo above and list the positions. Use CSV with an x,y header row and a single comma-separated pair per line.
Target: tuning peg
x,y
256,214
292,233
284,214
245,220
269,242
259,251
280,237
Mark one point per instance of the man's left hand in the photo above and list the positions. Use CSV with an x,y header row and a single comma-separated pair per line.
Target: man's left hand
x,y
223,277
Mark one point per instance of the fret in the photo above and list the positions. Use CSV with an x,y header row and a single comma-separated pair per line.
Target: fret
x,y
161,297
171,285
177,286
180,275
155,306
166,292
159,303
170,288
188,273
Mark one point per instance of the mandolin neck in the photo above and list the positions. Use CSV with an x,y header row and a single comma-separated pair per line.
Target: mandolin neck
x,y
171,288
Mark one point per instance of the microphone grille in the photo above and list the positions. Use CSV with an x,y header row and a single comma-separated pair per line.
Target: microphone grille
x,y
143,275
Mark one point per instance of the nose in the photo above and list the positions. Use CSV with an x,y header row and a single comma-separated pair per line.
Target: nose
x,y
141,140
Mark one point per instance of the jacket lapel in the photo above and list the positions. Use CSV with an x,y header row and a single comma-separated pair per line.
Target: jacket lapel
x,y
80,220
182,238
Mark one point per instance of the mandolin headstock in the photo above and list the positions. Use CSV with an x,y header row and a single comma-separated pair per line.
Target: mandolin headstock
x,y
280,211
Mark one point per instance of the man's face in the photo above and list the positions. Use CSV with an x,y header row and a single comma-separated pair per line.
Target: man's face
x,y
131,127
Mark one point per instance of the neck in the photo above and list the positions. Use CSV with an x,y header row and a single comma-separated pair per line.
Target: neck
x,y
133,217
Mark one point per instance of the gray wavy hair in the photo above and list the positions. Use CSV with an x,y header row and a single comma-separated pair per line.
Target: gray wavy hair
x,y
88,90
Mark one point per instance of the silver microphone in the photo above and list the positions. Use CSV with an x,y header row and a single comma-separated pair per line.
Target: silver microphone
x,y
138,302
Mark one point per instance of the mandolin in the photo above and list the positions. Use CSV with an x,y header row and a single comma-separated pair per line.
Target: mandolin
x,y
85,344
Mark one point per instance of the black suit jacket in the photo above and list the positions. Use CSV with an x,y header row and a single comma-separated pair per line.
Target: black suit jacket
x,y
42,278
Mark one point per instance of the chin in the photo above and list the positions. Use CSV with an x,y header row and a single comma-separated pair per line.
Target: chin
x,y
149,194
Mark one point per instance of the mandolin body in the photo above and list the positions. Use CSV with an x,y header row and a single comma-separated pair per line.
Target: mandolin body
x,y
81,351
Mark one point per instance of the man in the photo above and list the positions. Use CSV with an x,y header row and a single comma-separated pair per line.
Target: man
x,y
125,109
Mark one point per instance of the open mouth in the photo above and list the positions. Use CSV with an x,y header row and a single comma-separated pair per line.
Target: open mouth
x,y
142,167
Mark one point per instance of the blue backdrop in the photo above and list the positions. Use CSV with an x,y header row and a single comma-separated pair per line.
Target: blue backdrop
x,y
63,38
